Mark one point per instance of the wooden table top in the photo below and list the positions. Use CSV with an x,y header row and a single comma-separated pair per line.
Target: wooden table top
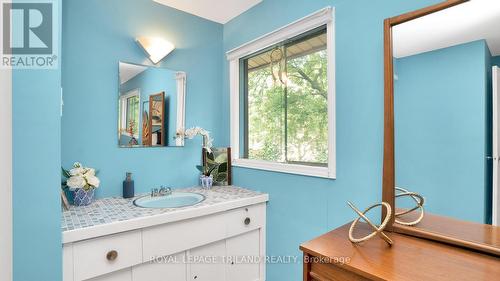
x,y
410,258
482,234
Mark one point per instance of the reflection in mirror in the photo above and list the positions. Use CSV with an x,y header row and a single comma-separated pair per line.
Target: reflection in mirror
x,y
151,106
156,120
443,112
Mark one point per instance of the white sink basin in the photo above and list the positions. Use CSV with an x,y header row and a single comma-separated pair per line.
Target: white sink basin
x,y
174,200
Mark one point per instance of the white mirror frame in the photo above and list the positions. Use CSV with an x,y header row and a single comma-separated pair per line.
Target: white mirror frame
x,y
181,79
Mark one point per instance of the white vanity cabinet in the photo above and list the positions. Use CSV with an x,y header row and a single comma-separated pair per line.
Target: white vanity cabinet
x,y
169,268
243,252
122,275
223,246
206,262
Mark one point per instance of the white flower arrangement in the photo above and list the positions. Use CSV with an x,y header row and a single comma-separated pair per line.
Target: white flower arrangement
x,y
193,132
81,177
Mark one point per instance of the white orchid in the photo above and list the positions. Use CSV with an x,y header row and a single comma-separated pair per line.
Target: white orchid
x,y
82,177
193,132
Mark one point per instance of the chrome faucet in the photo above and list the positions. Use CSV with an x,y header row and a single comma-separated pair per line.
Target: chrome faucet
x,y
154,192
163,191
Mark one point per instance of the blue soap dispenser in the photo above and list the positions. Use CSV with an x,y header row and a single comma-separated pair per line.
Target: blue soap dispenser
x,y
128,186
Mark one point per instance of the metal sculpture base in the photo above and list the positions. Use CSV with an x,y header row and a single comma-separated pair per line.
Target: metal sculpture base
x,y
378,230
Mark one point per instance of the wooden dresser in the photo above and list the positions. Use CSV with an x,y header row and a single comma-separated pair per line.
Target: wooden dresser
x,y
333,257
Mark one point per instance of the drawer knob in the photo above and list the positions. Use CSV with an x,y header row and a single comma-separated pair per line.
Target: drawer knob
x,y
247,221
112,255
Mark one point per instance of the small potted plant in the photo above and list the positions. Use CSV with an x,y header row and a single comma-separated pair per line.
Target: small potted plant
x,y
206,177
82,181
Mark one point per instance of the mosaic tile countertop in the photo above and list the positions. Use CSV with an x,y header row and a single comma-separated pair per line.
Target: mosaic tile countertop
x,y
117,209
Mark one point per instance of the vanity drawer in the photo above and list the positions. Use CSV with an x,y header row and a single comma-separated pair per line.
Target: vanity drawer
x,y
179,236
245,219
106,254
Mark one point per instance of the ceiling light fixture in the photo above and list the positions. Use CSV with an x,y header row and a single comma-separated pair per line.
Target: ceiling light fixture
x,y
156,48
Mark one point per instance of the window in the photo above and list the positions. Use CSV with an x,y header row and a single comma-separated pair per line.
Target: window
x,y
286,109
282,99
129,112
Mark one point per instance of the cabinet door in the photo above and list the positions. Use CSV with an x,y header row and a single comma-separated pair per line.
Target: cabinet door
x,y
122,275
206,262
170,268
243,256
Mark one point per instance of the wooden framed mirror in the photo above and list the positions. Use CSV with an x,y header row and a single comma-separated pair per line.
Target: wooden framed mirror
x,y
157,119
439,126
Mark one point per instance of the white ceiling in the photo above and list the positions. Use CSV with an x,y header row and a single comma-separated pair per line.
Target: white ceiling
x,y
220,11
471,21
129,71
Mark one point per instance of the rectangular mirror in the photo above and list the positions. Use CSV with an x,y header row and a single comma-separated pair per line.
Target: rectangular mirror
x,y
441,75
151,103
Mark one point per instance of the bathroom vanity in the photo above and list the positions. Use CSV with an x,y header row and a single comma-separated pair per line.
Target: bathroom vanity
x,y
220,238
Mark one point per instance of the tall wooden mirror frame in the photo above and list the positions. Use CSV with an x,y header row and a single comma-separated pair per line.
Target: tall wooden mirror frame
x,y
162,135
480,237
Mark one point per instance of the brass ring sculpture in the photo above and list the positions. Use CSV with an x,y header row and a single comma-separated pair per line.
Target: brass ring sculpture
x,y
420,205
378,230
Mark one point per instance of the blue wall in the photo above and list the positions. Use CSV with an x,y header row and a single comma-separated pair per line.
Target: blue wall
x,y
441,125
300,207
92,49
36,201
153,81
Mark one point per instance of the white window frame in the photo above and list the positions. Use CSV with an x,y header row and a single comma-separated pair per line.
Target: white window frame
x,y
123,118
320,18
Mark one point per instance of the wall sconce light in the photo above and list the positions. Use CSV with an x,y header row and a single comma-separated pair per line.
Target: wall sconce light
x,y
155,48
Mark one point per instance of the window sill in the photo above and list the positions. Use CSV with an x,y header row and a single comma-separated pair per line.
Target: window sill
x,y
304,170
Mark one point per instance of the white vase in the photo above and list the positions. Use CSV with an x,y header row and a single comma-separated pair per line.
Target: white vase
x,y
206,181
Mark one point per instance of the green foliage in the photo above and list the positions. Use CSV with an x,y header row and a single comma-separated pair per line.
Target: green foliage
x,y
208,168
289,123
216,165
65,173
